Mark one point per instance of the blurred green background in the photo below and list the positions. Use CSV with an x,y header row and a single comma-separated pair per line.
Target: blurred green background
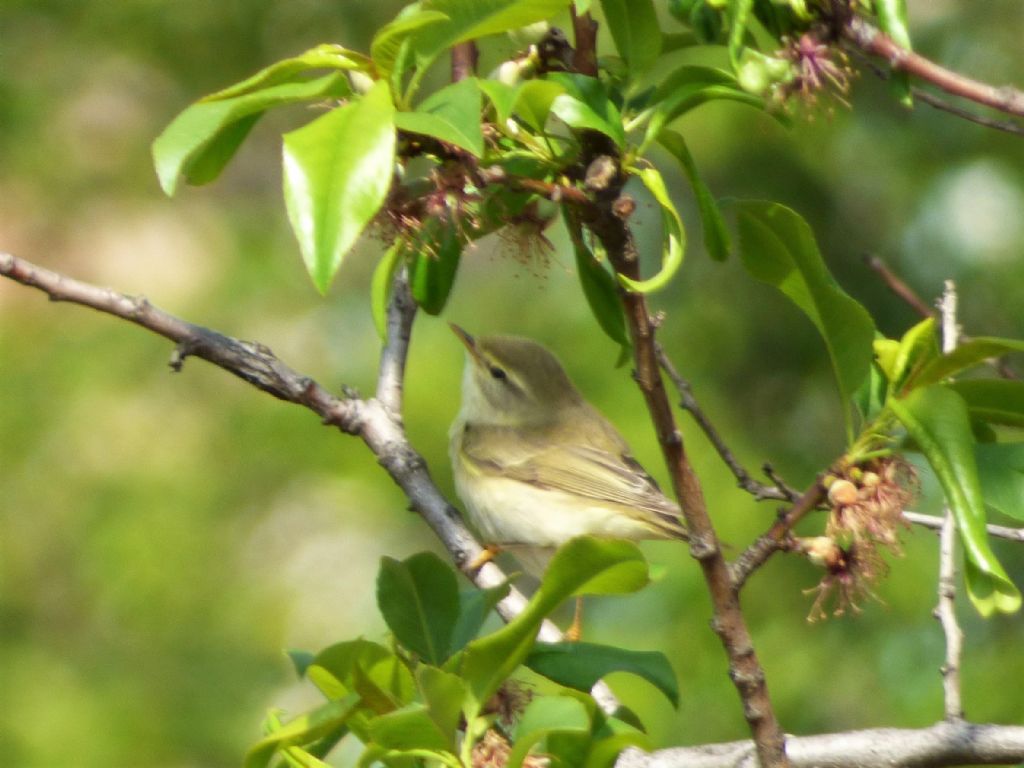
x,y
164,536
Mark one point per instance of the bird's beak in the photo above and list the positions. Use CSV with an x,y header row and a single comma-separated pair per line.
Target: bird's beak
x,y
466,339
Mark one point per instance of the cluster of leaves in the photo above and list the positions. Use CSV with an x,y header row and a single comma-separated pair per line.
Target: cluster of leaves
x,y
439,692
899,394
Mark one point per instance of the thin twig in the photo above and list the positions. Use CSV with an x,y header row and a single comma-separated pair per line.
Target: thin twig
x,y
934,522
464,60
689,403
873,41
945,611
897,285
775,538
584,57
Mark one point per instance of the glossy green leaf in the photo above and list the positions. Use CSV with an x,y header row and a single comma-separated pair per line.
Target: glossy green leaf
x,y
997,401
636,31
433,269
530,101
408,728
199,142
870,396
443,693
599,288
369,669
471,19
584,565
936,418
1001,471
544,716
918,348
580,665
716,234
673,234
778,248
380,286
475,605
419,599
337,172
387,43
451,114
689,97
302,730
326,56
967,355
892,18
586,105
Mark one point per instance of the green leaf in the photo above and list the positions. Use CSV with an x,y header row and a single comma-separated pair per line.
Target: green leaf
x,y
997,401
716,235
587,105
408,728
870,396
599,287
474,607
443,694
386,44
673,233
544,716
936,418
580,665
967,355
199,142
366,668
326,56
918,348
337,172
433,269
302,730
451,114
682,101
1001,472
892,18
419,599
533,102
471,19
380,286
778,248
584,565
637,33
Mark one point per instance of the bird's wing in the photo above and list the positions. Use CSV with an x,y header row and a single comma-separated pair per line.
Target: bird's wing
x,y
606,476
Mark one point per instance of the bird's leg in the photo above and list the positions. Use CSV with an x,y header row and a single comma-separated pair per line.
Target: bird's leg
x,y
575,631
487,554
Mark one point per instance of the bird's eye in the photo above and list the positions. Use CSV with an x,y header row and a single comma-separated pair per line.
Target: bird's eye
x,y
498,373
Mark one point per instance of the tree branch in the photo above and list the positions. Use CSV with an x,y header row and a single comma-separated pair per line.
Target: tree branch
x,y
464,60
935,523
728,623
373,420
873,41
584,57
896,284
943,744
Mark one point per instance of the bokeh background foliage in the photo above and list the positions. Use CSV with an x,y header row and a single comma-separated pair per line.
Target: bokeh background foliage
x,y
165,537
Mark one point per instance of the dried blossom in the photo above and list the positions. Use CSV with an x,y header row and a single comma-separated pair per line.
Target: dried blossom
x,y
818,67
492,751
849,574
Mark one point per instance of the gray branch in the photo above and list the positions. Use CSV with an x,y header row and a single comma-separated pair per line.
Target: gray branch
x,y
944,744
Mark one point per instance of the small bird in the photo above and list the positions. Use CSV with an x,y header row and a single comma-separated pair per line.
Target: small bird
x,y
536,465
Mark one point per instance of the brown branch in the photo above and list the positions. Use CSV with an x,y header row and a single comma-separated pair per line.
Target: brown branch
x,y
584,57
689,403
464,60
873,41
728,622
775,538
373,420
899,287
1007,126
